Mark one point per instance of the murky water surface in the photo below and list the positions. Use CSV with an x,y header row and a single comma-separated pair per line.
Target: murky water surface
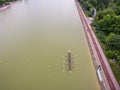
x,y
35,36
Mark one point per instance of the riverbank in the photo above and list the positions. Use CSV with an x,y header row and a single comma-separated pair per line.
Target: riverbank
x,y
5,7
8,5
96,51
105,27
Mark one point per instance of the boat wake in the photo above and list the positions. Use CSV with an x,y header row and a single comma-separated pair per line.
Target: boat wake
x,y
69,62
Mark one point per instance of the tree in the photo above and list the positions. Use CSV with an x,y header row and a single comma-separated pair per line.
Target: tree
x,y
101,36
2,2
117,10
110,23
113,43
93,3
109,54
101,14
118,60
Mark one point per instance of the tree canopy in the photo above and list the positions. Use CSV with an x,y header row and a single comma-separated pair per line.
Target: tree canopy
x,y
110,24
113,42
4,1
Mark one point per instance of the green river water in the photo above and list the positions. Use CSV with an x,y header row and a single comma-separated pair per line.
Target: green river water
x,y
35,36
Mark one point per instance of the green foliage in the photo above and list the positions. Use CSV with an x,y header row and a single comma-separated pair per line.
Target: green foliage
x,y
109,54
117,10
109,36
101,35
98,4
4,1
110,23
113,42
118,59
87,6
118,2
94,3
102,13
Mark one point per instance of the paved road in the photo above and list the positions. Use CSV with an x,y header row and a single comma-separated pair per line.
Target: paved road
x,y
113,85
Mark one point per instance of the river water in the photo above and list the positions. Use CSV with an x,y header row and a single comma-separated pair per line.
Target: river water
x,y
35,36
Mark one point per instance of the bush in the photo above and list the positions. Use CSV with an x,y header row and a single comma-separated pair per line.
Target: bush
x,y
109,54
113,43
101,35
110,24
